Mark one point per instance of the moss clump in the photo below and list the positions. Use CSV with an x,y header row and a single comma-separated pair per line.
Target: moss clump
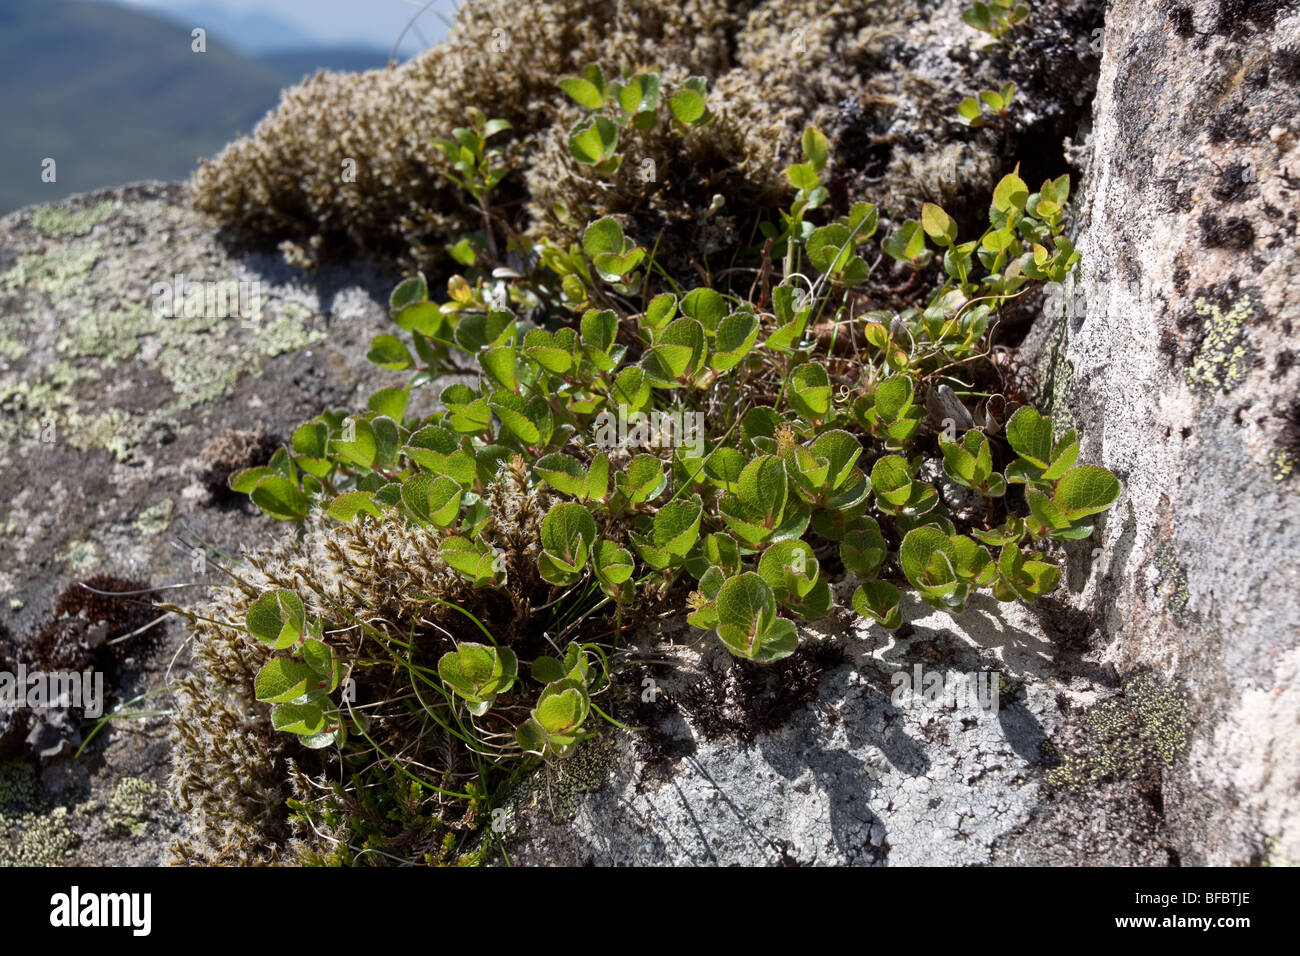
x,y
18,791
776,66
60,222
234,774
232,451
1126,739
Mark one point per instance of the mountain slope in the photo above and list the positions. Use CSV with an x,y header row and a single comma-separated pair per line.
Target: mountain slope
x,y
114,95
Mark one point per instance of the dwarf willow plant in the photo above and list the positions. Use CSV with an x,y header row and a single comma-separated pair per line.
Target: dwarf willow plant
x,y
996,17
708,440
632,101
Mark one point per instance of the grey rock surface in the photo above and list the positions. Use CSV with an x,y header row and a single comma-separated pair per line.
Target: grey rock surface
x,y
105,410
1173,350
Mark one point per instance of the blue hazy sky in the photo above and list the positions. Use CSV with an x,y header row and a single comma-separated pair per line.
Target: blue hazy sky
x,y
369,23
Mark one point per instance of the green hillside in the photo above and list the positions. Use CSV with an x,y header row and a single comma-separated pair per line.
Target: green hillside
x,y
113,95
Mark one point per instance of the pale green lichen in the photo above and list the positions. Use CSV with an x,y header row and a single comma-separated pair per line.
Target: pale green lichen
x,y
28,836
1056,374
154,520
1172,585
81,556
37,839
60,222
109,335
1221,360
52,272
1283,461
130,806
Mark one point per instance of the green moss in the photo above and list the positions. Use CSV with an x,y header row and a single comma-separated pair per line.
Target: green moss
x,y
1126,738
53,272
1221,360
59,222
18,791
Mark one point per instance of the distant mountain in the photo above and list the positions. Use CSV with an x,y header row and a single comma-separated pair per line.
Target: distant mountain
x,y
114,95
252,33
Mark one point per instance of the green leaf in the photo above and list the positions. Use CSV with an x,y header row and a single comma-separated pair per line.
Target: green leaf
x,y
280,498
938,225
879,601
891,481
282,679
302,719
603,236
478,673
502,367
600,329
276,618
390,402
612,563
568,533
810,391
864,549
433,499
660,311
927,557
816,148
677,527
348,505
802,176
515,414
1086,490
736,335
644,479
593,141
790,568
893,397
583,92
563,473
705,306
1010,193
688,106
746,609
387,351
1030,436
597,484
407,292
311,439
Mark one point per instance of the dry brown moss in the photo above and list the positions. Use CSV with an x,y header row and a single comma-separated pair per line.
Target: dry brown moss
x,y
232,772
775,66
